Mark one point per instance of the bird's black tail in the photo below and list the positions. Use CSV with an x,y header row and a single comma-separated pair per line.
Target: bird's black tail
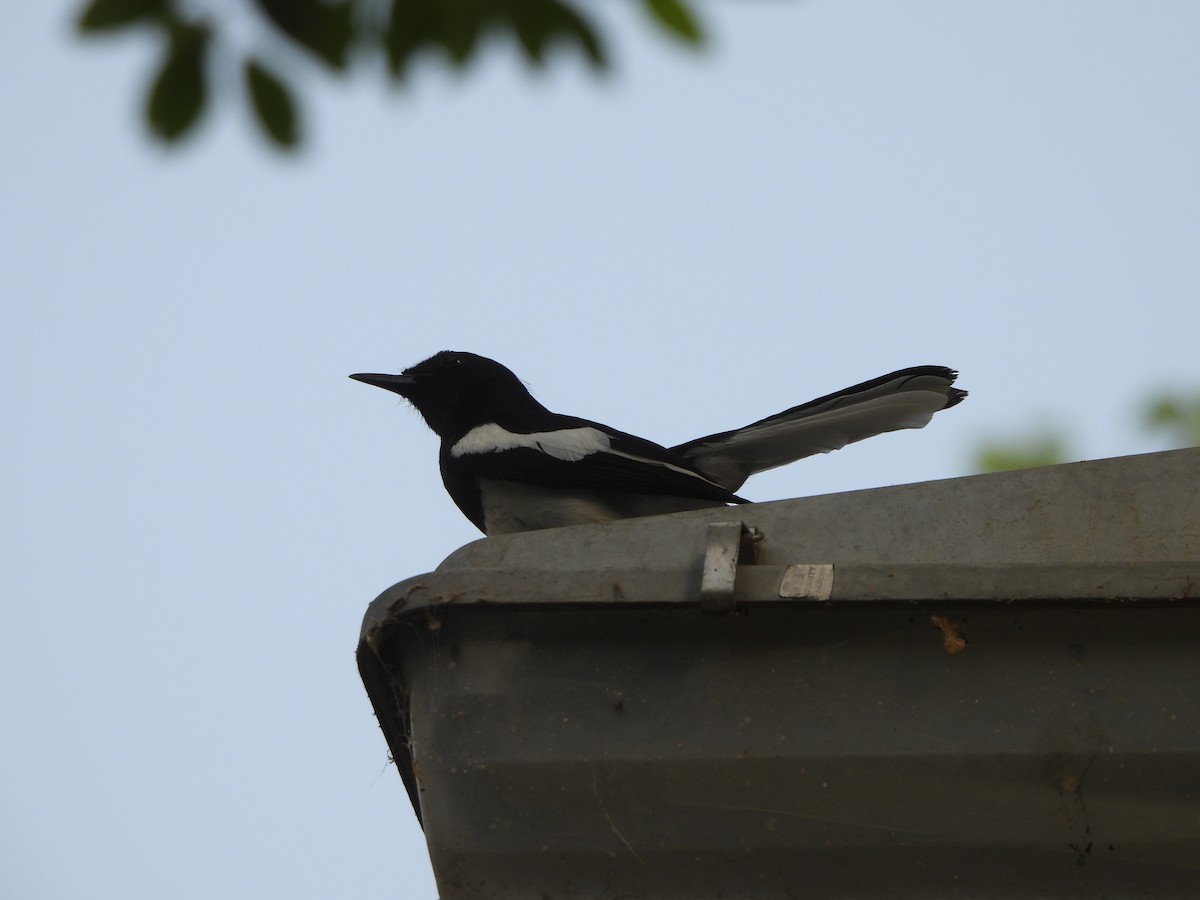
x,y
908,398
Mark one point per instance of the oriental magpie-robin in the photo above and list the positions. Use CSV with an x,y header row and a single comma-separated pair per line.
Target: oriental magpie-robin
x,y
512,465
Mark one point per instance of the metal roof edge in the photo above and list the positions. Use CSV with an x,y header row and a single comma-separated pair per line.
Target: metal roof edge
x,y
1079,512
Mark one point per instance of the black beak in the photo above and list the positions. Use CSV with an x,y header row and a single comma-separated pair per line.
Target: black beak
x,y
394,383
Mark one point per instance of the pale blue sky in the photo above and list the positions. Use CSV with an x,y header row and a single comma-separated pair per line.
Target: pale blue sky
x,y
198,504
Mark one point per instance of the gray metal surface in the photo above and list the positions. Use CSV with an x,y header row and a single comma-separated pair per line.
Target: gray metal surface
x,y
998,698
1140,508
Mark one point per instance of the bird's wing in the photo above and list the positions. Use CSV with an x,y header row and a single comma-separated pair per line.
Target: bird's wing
x,y
904,399
582,455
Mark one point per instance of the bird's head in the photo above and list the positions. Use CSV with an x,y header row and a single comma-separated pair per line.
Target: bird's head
x,y
452,390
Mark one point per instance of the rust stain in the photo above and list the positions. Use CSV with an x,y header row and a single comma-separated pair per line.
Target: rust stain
x,y
952,638
401,601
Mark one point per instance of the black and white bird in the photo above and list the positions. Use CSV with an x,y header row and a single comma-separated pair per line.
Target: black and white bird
x,y
512,465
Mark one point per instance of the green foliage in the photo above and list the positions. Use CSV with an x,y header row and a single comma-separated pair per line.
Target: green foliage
x,y
1175,413
1047,447
455,27
178,91
102,15
677,19
273,104
333,33
537,24
323,29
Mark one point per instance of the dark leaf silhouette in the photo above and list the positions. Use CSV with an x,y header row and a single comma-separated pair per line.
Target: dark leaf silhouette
x,y
178,93
328,30
105,15
677,18
324,29
273,104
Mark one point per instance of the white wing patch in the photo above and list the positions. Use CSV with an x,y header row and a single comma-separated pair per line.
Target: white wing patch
x,y
571,444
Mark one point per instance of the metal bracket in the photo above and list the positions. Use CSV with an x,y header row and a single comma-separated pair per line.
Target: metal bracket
x,y
727,544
